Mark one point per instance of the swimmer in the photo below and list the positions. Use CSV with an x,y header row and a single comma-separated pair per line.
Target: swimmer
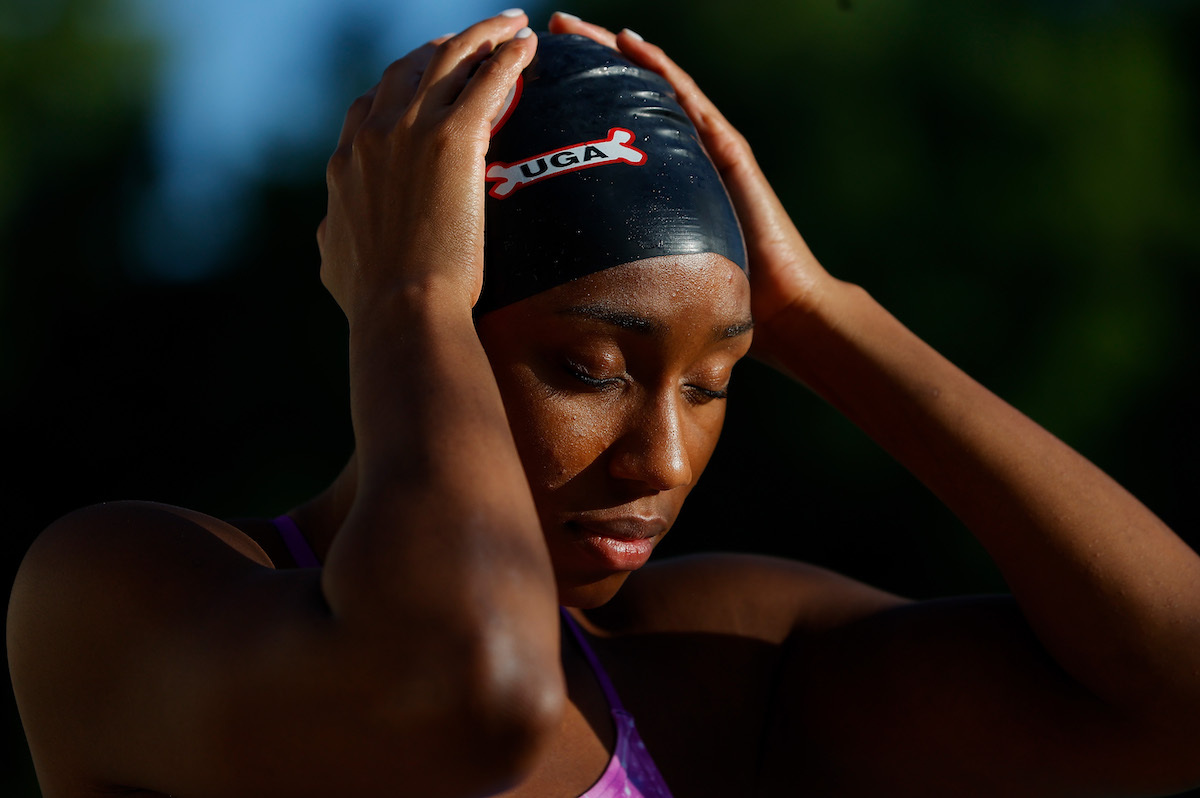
x,y
548,283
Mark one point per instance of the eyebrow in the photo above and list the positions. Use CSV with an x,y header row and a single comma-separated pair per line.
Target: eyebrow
x,y
646,326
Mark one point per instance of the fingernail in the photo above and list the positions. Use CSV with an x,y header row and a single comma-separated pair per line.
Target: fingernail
x,y
512,12
565,15
523,33
637,37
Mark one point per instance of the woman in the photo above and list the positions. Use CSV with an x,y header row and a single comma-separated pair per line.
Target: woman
x,y
532,457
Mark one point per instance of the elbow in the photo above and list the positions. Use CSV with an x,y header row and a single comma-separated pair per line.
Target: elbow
x,y
479,709
462,719
507,742
513,709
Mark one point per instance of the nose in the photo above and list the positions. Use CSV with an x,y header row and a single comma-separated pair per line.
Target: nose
x,y
652,448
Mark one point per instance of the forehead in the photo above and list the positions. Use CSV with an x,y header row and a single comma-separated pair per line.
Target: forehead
x,y
704,288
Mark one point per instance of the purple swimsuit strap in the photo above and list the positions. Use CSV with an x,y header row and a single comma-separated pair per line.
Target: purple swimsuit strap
x,y
631,773
610,692
301,552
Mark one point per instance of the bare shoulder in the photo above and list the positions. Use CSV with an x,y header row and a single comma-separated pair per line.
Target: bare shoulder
x,y
115,529
716,626
103,598
954,696
113,567
127,558
835,673
745,595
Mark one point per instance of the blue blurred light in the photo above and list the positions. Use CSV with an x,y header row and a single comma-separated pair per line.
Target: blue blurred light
x,y
245,83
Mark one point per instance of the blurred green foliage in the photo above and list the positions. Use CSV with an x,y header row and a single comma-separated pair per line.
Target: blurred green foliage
x,y
1016,181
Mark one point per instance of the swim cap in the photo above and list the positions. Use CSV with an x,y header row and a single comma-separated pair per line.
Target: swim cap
x,y
593,163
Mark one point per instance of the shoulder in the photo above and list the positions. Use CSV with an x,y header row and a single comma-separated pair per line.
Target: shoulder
x,y
112,566
132,560
130,532
745,595
715,626
108,555
97,598
118,565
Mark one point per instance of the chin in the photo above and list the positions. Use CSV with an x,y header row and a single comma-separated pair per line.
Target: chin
x,y
589,595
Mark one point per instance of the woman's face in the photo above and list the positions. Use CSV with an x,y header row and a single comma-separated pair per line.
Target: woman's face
x,y
615,386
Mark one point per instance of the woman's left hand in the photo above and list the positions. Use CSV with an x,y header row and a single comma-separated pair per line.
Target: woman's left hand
x,y
783,271
1088,675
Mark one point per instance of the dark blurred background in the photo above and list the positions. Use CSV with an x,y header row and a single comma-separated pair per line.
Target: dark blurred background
x,y
1019,182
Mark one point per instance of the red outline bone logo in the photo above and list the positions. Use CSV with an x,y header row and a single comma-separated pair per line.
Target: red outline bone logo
x,y
614,149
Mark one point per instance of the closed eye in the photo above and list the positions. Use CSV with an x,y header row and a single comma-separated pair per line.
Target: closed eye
x,y
581,374
698,394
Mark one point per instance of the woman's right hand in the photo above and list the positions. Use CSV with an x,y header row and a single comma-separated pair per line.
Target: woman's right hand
x,y
423,657
406,184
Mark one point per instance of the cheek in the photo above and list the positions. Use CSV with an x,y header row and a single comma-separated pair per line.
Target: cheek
x,y
703,436
557,436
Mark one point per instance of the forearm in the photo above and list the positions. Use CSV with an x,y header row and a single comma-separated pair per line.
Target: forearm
x,y
1110,590
442,548
438,580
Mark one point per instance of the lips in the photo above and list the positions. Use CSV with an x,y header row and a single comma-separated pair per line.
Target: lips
x,y
630,527
617,543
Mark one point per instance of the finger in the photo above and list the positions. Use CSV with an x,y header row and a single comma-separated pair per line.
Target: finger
x,y
400,80
452,64
686,90
694,101
762,215
491,85
355,115
562,22
716,132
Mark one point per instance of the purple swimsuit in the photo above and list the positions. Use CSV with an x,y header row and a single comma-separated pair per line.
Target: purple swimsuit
x,y
631,772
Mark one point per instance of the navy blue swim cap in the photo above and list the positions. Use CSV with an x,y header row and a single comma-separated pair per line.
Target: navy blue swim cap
x,y
594,164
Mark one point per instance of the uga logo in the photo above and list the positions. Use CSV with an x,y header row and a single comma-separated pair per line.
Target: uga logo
x,y
507,178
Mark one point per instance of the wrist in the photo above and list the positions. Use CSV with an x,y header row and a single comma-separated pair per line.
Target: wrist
x,y
796,338
419,379
408,304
